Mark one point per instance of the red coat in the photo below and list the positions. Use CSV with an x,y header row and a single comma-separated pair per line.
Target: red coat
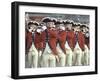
x,y
52,40
28,40
39,40
81,40
87,42
62,40
71,39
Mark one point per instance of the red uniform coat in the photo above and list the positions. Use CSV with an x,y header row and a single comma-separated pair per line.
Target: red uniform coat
x,y
71,39
87,42
81,40
62,40
28,40
52,40
39,40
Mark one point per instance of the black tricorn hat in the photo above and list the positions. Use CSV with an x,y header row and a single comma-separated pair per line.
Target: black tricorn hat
x,y
33,22
83,26
78,24
46,19
59,22
75,24
53,20
68,22
87,27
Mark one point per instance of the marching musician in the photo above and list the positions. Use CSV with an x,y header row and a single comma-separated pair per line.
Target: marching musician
x,y
50,54
39,41
79,45
85,30
32,52
61,43
70,40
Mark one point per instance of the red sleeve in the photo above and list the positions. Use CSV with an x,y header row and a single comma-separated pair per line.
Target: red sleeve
x,y
71,39
43,37
52,40
62,40
39,40
28,40
81,40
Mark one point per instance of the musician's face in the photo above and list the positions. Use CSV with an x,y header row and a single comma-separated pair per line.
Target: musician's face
x,y
53,28
39,30
83,30
62,27
87,30
76,28
50,24
32,28
57,26
68,26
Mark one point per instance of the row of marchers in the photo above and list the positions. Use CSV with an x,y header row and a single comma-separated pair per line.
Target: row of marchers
x,y
56,45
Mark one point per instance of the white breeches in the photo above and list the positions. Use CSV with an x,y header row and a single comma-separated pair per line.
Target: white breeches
x,y
86,55
33,57
69,55
77,56
62,57
48,59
